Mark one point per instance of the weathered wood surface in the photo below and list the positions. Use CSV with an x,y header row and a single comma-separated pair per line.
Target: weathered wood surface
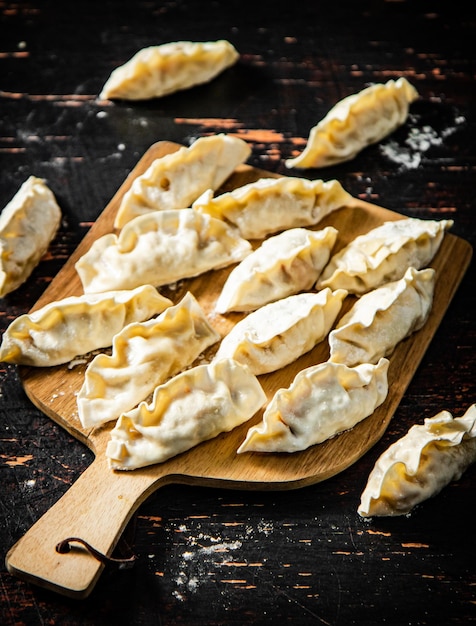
x,y
219,556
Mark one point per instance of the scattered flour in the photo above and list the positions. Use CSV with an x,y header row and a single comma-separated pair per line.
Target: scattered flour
x,y
419,140
205,554
55,396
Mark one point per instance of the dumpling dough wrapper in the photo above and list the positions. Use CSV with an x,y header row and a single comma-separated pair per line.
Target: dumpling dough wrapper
x,y
76,325
322,401
420,464
157,71
355,122
28,224
190,408
175,180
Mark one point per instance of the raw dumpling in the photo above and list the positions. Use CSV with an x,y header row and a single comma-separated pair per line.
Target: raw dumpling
x,y
279,333
420,464
175,180
160,248
356,122
194,406
270,205
156,71
322,401
144,355
381,318
283,265
28,224
76,325
384,254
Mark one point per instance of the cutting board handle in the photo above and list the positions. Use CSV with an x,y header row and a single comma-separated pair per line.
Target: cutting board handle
x,y
96,509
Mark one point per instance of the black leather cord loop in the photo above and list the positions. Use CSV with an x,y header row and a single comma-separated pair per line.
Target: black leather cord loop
x,y
63,547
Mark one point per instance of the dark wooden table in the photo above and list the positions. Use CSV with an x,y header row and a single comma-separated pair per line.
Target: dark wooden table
x,y
213,556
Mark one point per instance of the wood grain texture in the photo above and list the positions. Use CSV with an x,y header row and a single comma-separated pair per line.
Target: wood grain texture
x,y
223,557
113,497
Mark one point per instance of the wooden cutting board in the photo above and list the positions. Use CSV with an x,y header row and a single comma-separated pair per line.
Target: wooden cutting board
x,y
97,507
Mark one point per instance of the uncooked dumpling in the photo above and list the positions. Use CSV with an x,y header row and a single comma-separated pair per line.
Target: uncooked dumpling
x,y
420,464
28,224
356,122
283,265
322,401
144,355
175,180
64,329
383,317
160,248
280,332
384,254
194,406
270,205
157,71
